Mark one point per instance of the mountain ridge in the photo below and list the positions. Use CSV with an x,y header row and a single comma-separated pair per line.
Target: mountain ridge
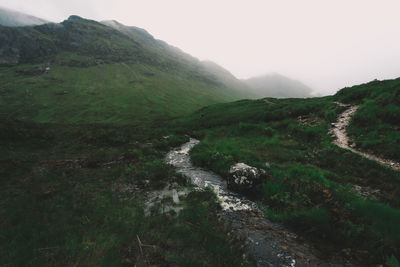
x,y
120,73
12,18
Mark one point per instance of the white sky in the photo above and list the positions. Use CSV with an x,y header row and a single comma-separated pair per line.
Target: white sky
x,y
327,44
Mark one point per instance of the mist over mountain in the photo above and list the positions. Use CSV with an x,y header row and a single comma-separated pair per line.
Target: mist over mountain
x,y
121,149
13,18
279,86
118,73
206,67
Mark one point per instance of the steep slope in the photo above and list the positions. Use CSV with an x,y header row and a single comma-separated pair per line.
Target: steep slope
x,y
206,68
276,85
13,18
85,71
228,78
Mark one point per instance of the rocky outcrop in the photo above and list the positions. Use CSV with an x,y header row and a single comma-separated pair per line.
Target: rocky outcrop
x,y
243,178
22,44
77,35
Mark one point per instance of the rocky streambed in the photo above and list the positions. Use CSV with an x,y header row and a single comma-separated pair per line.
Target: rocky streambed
x,y
270,244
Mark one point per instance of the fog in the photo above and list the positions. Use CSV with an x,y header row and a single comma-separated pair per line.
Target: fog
x,y
325,44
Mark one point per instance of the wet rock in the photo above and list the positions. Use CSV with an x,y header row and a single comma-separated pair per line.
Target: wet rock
x,y
175,196
243,178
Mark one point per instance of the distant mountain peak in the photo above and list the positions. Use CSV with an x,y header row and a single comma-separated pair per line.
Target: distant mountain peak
x,y
12,18
277,85
75,18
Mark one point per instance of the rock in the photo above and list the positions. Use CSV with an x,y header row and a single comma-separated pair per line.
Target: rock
x,y
175,196
243,178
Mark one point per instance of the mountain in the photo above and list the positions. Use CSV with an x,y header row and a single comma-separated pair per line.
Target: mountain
x,y
207,68
227,78
279,86
85,71
13,18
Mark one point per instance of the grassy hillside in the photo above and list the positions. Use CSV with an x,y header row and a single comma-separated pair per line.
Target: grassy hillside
x,y
87,113
312,180
82,71
376,126
204,68
115,92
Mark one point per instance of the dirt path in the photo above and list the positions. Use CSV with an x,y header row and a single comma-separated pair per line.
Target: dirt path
x,y
270,244
342,140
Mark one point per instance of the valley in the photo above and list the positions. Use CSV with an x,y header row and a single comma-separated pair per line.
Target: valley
x,y
117,149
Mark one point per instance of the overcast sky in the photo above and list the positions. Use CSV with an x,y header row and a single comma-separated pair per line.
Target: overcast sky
x,y
327,44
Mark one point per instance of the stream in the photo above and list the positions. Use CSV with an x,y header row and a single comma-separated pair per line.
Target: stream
x,y
269,243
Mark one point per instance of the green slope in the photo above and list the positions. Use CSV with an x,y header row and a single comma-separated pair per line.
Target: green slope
x,y
101,74
311,181
376,125
116,92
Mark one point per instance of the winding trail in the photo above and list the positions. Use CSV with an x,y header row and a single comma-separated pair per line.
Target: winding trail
x,y
270,244
342,139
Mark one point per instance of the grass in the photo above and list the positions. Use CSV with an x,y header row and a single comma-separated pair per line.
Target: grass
x,y
310,183
82,71
376,126
82,144
74,195
111,93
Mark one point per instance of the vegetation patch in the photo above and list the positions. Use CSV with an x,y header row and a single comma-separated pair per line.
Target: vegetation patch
x,y
311,186
74,195
376,125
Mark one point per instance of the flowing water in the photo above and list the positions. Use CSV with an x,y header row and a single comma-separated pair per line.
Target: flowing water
x,y
270,244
